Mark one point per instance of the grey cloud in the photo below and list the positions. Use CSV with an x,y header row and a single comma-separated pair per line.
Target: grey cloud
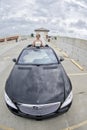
x,y
79,24
20,15
40,12
71,31
46,2
76,10
16,30
71,5
83,1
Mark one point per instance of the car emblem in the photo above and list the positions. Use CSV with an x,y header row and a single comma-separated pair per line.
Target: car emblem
x,y
35,107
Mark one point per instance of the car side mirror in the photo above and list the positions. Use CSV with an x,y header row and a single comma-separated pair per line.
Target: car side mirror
x,y
61,58
14,60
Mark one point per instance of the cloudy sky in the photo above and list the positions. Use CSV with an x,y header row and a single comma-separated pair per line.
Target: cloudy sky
x,y
62,17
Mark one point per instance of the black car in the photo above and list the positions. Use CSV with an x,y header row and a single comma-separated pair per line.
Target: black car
x,y
38,86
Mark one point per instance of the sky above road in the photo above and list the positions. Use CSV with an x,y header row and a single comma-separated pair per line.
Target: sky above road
x,y
62,17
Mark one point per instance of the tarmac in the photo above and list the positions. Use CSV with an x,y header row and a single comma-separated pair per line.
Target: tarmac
x,y
74,119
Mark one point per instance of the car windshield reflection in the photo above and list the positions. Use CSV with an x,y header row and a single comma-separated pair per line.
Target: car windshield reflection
x,y
37,56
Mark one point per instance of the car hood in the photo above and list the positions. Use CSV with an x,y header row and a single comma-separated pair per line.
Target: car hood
x,y
36,84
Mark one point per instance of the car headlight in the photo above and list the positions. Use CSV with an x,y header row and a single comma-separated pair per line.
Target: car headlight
x,y
68,100
9,102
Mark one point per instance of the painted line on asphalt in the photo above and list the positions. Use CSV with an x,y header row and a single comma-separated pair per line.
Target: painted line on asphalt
x,y
75,63
76,126
7,57
5,128
72,60
58,49
77,74
65,54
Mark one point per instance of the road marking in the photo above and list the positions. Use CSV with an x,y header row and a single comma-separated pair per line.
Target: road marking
x,y
6,58
72,60
59,49
76,126
77,74
55,47
65,54
79,66
5,128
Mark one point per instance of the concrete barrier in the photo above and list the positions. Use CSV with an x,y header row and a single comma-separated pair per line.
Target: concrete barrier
x,y
11,38
75,48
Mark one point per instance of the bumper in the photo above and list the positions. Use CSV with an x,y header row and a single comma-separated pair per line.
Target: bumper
x,y
41,117
41,111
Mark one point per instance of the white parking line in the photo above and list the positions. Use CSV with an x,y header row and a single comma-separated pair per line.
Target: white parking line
x,y
65,54
77,74
79,66
6,58
76,126
5,128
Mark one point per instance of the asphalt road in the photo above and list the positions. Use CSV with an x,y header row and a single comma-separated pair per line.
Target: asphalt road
x,y
74,119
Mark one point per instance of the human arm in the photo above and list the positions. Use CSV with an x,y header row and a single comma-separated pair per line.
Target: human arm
x,y
33,44
41,43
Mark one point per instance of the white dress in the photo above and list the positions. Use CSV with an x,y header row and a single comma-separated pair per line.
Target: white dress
x,y
38,43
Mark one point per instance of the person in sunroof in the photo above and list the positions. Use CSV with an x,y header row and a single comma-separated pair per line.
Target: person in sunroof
x,y
37,41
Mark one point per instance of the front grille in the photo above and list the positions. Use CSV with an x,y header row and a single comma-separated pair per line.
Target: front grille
x,y
39,110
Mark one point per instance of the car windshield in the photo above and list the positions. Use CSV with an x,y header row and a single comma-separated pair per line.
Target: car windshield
x,y
37,56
